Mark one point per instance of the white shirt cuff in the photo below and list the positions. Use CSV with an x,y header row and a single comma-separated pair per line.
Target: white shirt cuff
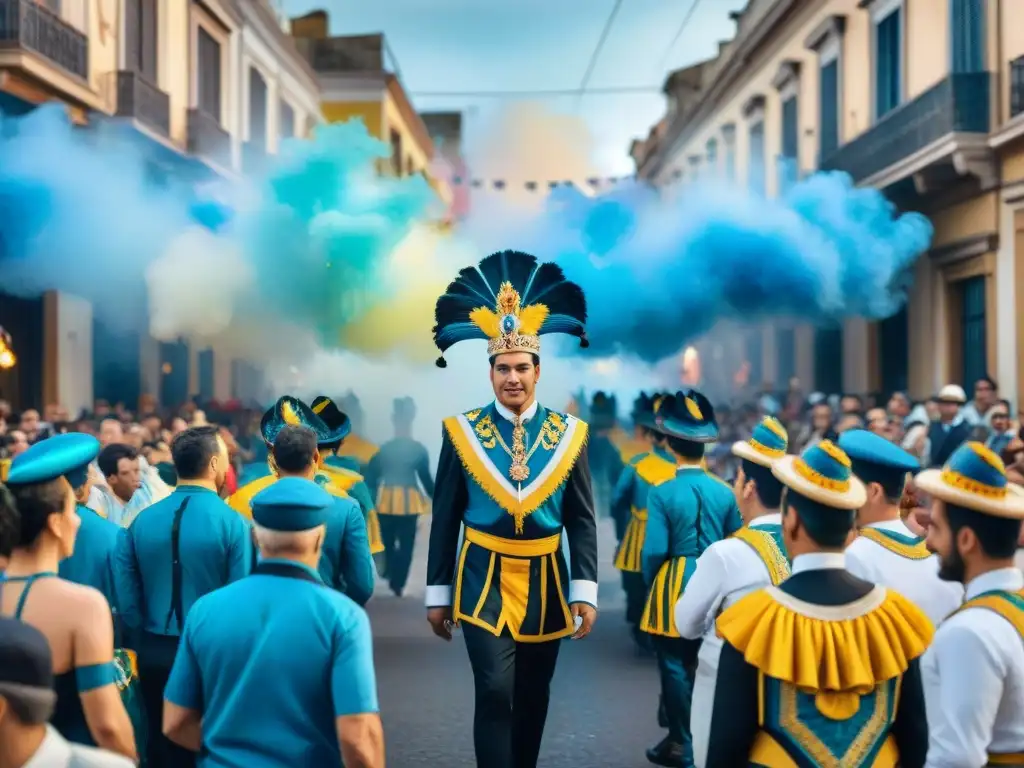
x,y
581,591
440,595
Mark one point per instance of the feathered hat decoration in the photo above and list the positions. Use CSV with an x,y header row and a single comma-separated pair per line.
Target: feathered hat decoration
x,y
510,300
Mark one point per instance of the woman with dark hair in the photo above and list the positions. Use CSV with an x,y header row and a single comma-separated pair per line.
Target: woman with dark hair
x,y
38,527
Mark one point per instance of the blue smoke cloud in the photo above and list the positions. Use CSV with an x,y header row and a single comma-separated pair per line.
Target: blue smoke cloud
x,y
80,212
658,274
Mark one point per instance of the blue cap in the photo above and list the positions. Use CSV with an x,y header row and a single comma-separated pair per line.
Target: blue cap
x,y
291,504
868,448
66,455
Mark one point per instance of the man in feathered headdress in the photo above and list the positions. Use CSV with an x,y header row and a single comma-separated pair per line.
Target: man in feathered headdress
x,y
400,480
516,474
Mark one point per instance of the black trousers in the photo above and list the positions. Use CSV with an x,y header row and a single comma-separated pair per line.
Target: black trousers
x,y
513,688
399,535
161,751
636,596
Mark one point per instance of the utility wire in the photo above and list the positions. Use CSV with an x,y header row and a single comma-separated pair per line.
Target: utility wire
x,y
639,89
679,33
597,50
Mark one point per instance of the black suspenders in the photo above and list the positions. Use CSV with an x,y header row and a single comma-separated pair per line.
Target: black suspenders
x,y
176,611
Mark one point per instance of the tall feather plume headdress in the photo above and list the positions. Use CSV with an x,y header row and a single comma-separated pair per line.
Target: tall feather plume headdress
x,y
510,300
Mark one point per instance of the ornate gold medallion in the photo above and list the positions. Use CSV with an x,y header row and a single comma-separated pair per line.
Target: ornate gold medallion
x,y
518,471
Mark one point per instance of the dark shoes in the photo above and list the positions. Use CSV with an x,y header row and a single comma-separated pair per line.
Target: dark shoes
x,y
668,753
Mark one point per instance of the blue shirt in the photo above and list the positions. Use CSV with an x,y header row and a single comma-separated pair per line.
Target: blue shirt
x,y
685,516
270,662
216,549
346,563
92,562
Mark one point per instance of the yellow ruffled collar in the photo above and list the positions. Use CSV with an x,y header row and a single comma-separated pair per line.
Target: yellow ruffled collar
x,y
848,648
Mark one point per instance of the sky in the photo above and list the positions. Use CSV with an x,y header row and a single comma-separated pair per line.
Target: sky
x,y
539,45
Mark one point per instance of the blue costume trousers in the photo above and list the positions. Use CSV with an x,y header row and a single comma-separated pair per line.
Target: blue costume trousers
x,y
677,663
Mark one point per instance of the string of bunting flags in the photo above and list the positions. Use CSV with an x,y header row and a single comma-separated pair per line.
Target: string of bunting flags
x,y
595,182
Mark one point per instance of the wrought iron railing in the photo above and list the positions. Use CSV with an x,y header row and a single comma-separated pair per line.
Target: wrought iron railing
x,y
29,25
958,104
140,99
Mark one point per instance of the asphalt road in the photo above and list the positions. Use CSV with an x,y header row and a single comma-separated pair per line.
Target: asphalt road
x,y
603,699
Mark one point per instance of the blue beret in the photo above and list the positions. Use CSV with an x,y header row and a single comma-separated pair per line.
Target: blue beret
x,y
58,456
865,447
291,504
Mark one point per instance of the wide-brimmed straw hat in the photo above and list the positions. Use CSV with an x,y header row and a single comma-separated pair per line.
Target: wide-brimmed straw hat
x,y
974,478
822,473
767,444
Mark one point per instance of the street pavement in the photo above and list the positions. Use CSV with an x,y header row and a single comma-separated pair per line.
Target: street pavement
x,y
603,697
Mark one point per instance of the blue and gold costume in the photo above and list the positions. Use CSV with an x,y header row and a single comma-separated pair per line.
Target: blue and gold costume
x,y
344,472
520,483
69,456
685,515
643,472
308,659
399,475
605,456
823,669
356,452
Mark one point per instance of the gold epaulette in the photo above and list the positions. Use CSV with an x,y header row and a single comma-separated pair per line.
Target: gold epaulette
x,y
343,478
839,652
630,449
5,465
654,470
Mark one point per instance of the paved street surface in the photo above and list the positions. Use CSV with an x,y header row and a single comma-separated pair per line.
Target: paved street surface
x,y
603,699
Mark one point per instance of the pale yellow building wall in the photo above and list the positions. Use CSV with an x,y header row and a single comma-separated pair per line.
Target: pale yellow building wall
x,y
175,66
927,42
1008,18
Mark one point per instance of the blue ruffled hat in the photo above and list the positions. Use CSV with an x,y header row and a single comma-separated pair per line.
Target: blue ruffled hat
x,y
290,411
822,473
767,443
688,416
975,478
67,455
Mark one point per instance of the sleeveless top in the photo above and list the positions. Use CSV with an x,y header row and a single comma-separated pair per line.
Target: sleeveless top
x,y
68,714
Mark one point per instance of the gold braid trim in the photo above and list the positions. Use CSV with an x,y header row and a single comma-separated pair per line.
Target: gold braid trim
x,y
485,479
838,652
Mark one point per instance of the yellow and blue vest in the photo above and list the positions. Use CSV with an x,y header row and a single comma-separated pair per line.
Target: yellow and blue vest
x,y
645,471
511,571
397,471
910,547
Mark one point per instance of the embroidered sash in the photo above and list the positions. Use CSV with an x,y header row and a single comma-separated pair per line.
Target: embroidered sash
x,y
910,547
552,456
768,549
1009,605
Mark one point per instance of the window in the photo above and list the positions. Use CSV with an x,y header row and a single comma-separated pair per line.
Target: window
x,y
729,160
756,174
286,129
888,62
789,164
968,29
785,343
894,352
712,152
828,359
206,375
141,39
396,153
209,61
973,329
257,108
828,119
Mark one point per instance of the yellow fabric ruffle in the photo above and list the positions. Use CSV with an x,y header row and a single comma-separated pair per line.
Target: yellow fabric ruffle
x,y
849,655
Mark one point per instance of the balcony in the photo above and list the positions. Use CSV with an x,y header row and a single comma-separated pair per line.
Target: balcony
x,y
254,156
26,25
139,99
946,126
208,140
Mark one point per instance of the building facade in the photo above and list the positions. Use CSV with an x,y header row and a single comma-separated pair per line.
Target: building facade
x,y
207,90
359,79
913,97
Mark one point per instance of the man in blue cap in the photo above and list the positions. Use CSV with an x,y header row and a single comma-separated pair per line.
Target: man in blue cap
x,y
974,671
685,515
753,557
183,547
886,551
305,684
399,478
805,664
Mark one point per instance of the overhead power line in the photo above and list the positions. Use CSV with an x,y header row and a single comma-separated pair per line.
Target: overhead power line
x,y
624,89
679,33
599,47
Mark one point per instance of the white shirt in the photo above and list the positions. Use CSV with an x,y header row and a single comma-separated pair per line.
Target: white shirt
x,y
106,503
917,580
56,752
727,571
973,678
